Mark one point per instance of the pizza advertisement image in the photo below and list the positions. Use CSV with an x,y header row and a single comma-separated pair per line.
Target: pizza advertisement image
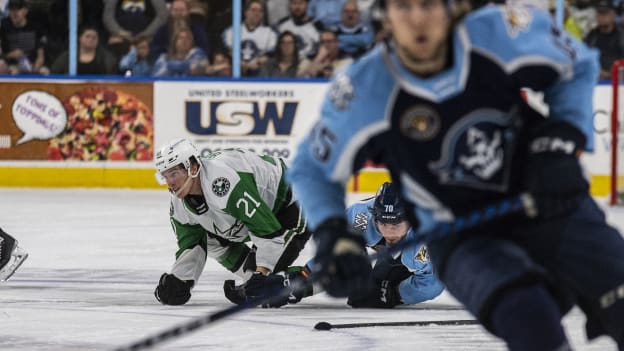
x,y
76,121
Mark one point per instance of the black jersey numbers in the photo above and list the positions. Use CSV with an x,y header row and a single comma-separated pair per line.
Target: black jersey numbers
x,y
322,140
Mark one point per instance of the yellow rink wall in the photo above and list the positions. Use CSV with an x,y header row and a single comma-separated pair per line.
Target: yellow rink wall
x,y
108,176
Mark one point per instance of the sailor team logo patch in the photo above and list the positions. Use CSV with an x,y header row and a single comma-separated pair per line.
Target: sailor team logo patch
x,y
476,151
221,186
420,123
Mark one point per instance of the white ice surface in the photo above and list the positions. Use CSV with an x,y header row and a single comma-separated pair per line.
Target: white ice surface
x,y
95,258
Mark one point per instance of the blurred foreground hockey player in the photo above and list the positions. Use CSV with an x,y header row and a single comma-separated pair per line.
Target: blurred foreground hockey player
x,y
405,277
439,104
218,204
11,255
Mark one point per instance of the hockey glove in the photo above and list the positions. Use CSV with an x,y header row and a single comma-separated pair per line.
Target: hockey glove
x,y
173,291
385,295
341,264
261,286
295,283
390,269
553,172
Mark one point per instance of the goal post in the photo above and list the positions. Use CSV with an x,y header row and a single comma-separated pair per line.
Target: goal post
x,y
616,195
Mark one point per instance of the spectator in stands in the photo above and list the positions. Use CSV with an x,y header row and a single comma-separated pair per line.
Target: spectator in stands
x,y
583,13
286,62
183,58
23,42
302,26
257,40
92,58
137,61
276,11
179,17
327,13
329,58
366,8
221,65
126,20
354,38
607,37
4,67
89,12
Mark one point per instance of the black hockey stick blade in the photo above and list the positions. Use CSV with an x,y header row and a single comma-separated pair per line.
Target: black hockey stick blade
x,y
330,326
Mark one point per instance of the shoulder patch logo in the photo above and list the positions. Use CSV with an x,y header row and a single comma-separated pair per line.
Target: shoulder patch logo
x,y
420,123
422,255
517,19
360,222
341,91
221,186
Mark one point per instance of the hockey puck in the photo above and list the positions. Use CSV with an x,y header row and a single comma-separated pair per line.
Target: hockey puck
x,y
322,326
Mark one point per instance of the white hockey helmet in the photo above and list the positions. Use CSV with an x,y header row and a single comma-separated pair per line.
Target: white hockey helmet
x,y
176,152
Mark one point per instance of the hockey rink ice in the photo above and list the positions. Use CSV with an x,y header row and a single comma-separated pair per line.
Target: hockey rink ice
x,y
96,256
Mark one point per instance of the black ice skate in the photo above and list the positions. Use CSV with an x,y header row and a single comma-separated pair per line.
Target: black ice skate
x,y
11,256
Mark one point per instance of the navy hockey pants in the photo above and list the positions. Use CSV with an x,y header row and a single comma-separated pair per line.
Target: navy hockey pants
x,y
579,258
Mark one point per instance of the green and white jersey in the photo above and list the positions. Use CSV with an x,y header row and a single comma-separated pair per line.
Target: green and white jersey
x,y
243,191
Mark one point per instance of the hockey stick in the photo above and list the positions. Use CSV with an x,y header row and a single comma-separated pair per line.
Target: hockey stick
x,y
520,203
329,326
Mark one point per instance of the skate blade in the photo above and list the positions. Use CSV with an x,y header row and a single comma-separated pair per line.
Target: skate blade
x,y
18,256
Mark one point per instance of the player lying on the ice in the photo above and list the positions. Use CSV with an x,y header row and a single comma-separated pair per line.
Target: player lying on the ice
x,y
404,278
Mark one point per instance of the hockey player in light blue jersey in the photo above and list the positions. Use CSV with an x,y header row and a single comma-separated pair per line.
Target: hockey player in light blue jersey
x,y
407,276
439,104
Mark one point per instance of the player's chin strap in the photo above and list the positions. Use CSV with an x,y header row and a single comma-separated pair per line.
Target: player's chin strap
x,y
188,180
522,203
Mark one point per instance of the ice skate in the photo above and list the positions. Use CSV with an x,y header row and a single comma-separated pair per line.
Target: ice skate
x,y
11,256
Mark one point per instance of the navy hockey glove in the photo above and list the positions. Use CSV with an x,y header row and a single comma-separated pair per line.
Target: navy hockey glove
x,y
390,269
271,285
341,264
173,291
553,172
260,286
385,295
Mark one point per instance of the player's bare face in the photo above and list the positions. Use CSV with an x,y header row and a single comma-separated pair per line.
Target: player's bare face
x,y
177,181
393,232
419,30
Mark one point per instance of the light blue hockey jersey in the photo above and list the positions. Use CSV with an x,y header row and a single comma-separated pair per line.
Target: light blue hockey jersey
x,y
452,141
422,285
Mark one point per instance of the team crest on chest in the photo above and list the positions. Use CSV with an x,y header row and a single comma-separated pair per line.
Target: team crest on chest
x,y
221,186
420,123
476,151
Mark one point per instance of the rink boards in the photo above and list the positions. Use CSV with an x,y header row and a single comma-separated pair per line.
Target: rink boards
x,y
39,119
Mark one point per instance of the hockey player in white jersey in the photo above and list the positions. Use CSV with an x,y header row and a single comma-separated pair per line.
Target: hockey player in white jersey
x,y
221,202
11,256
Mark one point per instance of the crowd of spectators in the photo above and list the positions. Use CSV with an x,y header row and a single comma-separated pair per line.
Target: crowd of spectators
x,y
181,38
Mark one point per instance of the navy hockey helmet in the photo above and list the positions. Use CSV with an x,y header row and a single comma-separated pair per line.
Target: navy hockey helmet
x,y
388,207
